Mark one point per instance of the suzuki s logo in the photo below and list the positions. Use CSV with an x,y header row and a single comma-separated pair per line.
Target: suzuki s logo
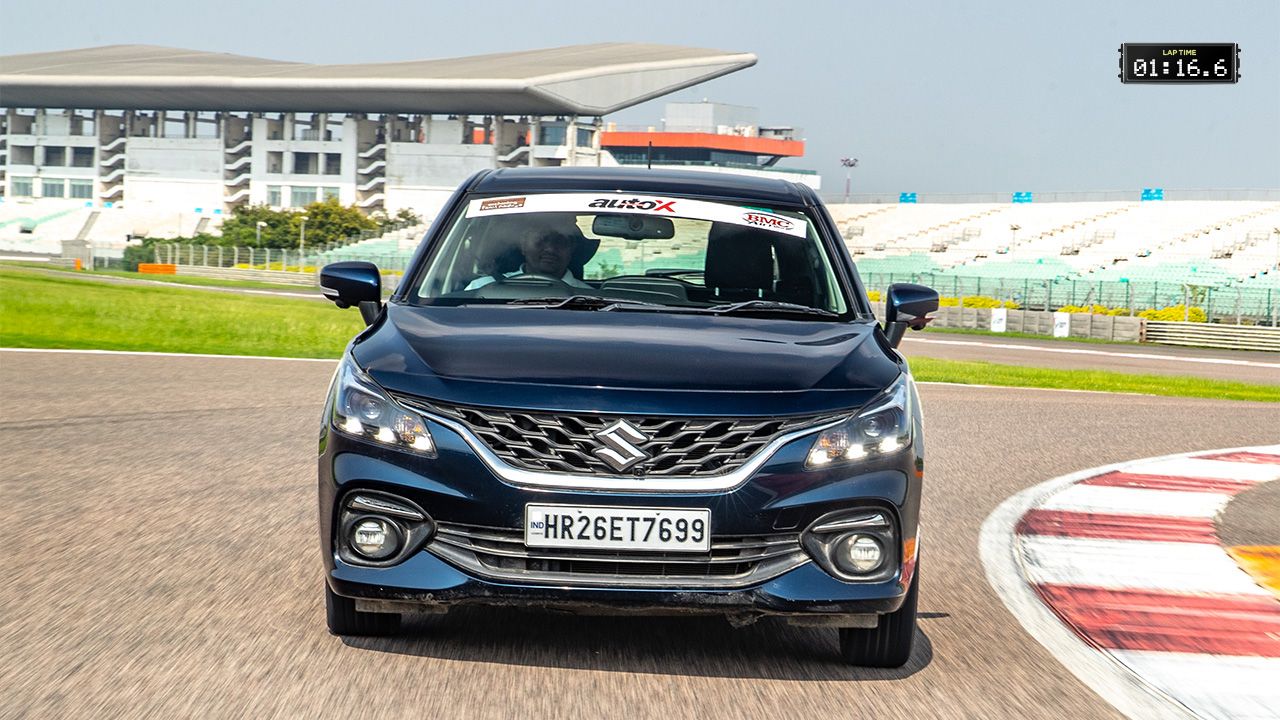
x,y
620,440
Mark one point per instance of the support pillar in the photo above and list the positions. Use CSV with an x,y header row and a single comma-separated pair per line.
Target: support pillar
x,y
536,134
571,139
598,126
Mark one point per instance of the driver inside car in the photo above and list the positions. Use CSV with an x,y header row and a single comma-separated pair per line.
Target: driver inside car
x,y
546,253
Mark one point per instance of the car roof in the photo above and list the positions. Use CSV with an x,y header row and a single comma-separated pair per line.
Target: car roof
x,y
641,180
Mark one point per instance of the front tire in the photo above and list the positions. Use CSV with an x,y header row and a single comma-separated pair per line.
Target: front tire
x,y
345,619
889,644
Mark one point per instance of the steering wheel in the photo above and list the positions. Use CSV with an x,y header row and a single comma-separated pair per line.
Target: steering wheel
x,y
516,286
532,276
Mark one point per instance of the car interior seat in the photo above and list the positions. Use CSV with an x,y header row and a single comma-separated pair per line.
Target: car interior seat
x,y
739,263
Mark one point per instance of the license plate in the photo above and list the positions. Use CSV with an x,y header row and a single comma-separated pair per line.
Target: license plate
x,y
617,528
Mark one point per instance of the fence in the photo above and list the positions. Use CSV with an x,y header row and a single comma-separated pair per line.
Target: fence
x,y
278,277
277,259
1233,304
1233,337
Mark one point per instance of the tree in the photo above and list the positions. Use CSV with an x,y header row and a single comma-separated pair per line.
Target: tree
x,y
242,228
328,221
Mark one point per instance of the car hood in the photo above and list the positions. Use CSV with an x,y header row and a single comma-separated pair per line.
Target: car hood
x,y
640,362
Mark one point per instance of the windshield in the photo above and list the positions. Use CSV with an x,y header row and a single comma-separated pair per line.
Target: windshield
x,y
633,251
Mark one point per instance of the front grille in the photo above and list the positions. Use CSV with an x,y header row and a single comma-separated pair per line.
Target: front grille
x,y
567,443
732,562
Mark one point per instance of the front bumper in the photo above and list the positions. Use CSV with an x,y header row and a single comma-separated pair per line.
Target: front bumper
x,y
428,583
781,497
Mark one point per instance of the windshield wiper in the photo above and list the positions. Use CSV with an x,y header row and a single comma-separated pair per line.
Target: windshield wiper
x,y
769,306
585,302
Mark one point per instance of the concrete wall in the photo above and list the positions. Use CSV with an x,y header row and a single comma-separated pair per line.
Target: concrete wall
x,y
435,166
174,173
421,176
1036,322
708,116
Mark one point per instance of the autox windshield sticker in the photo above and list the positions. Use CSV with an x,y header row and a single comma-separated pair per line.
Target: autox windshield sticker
x,y
638,204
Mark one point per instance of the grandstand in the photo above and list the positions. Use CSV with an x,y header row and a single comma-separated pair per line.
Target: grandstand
x,y
391,251
1224,254
98,144
37,228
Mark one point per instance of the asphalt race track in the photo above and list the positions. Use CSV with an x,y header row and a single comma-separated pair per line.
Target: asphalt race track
x,y
161,560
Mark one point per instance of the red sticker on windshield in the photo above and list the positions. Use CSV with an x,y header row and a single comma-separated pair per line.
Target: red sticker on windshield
x,y
765,220
502,203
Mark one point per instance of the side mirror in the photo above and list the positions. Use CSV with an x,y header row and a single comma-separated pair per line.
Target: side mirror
x,y
907,306
353,283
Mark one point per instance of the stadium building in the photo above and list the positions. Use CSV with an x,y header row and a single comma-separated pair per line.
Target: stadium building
x,y
180,138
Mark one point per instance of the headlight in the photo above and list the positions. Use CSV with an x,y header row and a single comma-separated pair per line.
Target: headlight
x,y
880,430
362,409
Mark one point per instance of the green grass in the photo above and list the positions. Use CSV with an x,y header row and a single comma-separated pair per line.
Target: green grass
x,y
182,279
982,373
50,310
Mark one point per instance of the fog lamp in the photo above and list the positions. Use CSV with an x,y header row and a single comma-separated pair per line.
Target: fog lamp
x,y
858,554
374,538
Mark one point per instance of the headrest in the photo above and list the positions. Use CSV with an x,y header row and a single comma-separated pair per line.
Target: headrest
x,y
738,258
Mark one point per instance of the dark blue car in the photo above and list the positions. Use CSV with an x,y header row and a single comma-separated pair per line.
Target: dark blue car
x,y
608,390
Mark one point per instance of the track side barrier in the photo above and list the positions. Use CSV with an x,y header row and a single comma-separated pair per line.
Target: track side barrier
x,y
1113,328
280,277
1232,337
306,279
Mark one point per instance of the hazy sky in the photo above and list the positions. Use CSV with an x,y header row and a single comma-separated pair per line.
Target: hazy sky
x,y
930,95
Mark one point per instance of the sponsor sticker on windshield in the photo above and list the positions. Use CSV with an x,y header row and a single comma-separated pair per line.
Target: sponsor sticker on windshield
x,y
501,204
602,203
768,220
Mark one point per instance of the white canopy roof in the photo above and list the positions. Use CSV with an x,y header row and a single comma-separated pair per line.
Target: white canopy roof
x,y
578,79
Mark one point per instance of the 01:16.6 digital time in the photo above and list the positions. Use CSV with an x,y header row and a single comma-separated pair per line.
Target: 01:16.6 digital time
x,y
1150,67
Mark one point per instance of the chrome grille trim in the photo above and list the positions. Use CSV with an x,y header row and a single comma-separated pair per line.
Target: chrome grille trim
x,y
566,442
733,562
610,481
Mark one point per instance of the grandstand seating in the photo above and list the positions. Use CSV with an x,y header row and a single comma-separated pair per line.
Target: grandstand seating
x,y
1088,236
1117,253
40,226
391,251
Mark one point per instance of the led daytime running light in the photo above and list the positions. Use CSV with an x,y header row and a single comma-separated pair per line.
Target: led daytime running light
x,y
883,429
362,409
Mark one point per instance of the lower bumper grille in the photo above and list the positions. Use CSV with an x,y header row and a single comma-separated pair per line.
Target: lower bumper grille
x,y
733,562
